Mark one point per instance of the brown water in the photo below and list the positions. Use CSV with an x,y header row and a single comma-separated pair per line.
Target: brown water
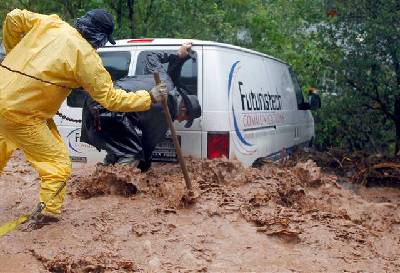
x,y
273,219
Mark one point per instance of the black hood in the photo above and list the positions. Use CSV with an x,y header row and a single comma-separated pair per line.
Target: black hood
x,y
96,26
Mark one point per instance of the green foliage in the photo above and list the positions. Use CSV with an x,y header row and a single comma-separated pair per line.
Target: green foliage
x,y
342,123
365,38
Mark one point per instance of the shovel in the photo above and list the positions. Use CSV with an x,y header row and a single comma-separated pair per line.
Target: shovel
x,y
189,198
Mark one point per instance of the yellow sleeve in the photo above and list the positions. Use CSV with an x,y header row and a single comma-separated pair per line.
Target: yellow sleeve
x,y
94,78
16,24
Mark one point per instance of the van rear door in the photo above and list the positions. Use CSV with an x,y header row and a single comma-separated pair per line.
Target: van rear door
x,y
190,78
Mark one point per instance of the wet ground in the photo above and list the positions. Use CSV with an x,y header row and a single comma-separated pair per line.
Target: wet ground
x,y
279,218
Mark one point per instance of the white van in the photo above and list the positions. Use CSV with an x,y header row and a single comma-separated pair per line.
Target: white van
x,y
251,102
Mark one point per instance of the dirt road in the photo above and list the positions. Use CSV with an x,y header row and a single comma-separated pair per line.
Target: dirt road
x,y
273,219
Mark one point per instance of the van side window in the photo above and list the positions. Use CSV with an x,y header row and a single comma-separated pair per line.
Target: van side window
x,y
297,89
187,76
116,63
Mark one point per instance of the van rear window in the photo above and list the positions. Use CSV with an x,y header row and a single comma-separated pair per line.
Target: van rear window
x,y
187,75
116,63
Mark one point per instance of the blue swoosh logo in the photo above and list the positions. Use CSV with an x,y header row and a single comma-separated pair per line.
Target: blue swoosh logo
x,y
69,141
235,123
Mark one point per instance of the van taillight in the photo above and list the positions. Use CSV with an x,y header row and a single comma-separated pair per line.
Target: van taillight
x,y
217,145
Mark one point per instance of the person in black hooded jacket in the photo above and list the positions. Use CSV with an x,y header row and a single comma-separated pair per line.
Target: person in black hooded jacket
x,y
130,138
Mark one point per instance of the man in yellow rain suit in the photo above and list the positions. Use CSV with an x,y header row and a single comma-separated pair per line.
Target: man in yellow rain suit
x,y
60,57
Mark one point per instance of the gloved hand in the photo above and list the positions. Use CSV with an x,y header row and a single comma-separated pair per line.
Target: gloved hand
x,y
159,91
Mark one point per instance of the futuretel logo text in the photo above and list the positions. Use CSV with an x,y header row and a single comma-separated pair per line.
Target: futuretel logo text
x,y
259,101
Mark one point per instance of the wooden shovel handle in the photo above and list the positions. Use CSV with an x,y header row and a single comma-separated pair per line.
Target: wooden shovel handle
x,y
174,136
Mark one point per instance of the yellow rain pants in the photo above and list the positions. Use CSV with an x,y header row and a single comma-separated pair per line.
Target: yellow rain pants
x,y
45,150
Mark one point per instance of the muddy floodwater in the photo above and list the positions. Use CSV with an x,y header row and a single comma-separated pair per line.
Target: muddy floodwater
x,y
277,218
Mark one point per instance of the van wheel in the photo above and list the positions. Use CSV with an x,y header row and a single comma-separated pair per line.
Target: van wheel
x,y
310,147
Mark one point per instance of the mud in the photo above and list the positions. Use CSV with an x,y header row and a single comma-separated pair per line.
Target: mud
x,y
105,180
290,216
101,263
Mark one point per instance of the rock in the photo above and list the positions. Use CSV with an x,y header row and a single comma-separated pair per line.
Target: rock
x,y
155,264
189,260
147,246
123,232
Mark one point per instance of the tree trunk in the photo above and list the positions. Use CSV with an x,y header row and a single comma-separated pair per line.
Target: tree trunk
x,y
397,101
131,16
119,13
68,9
146,21
397,123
